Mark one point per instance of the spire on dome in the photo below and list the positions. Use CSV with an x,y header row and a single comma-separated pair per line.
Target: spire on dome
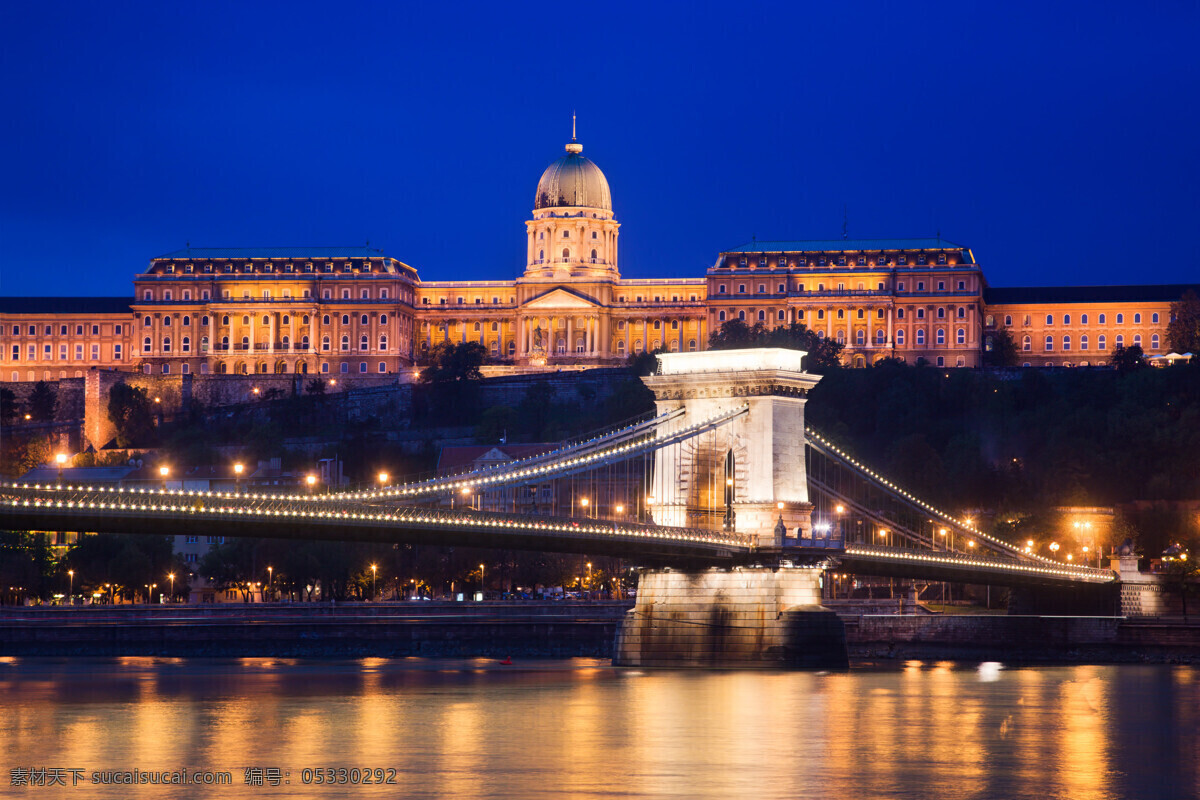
x,y
573,146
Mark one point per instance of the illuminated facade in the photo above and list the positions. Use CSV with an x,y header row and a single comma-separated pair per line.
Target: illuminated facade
x,y
354,311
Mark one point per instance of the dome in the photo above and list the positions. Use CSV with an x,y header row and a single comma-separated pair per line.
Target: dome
x,y
573,181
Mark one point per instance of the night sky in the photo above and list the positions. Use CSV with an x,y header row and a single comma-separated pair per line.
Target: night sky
x,y
1058,140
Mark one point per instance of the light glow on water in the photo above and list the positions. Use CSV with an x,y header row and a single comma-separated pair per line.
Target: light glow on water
x,y
473,728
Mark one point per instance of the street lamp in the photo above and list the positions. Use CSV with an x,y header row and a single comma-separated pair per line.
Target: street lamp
x,y
883,532
311,480
383,479
1054,548
589,577
584,503
71,585
164,471
481,580
61,458
620,509
373,571
171,575
237,475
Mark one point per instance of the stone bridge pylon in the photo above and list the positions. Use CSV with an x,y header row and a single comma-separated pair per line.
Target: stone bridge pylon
x,y
751,468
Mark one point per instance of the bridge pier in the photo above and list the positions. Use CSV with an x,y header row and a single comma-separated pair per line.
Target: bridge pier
x,y
764,617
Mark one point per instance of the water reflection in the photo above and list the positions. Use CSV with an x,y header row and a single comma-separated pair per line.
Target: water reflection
x,y
581,729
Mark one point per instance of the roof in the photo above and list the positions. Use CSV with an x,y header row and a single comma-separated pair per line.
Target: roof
x,y
81,475
841,245
1144,293
65,305
453,458
201,253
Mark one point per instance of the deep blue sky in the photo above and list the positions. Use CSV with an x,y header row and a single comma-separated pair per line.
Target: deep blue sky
x,y
1057,140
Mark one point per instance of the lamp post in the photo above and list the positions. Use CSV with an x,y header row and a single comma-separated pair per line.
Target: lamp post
x,y
1054,548
311,480
942,532
383,478
583,502
374,569
61,458
589,579
71,585
164,471
271,579
237,476
171,575
883,532
481,581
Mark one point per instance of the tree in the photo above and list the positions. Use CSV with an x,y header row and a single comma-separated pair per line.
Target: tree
x,y
1000,349
8,406
1183,331
315,386
43,401
1128,359
452,363
643,363
1179,573
823,354
132,413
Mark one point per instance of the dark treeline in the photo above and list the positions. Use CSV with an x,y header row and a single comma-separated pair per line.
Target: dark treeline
x,y
1023,440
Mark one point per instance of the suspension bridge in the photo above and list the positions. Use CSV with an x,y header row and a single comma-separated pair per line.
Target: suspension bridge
x,y
724,478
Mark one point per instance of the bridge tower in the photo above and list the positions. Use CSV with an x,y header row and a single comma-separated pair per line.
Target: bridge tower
x,y
756,461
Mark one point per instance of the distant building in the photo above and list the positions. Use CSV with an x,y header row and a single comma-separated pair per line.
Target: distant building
x,y
341,312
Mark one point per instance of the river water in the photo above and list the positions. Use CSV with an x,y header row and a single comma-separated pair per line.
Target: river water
x,y
582,729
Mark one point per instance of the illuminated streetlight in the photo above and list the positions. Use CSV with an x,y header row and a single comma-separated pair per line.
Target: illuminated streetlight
x,y
481,580
164,471
237,475
171,575
311,480
1029,542
61,458
373,572
71,585
841,509
383,479
620,509
1054,547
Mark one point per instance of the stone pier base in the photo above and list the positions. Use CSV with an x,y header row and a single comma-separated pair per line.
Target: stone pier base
x,y
754,617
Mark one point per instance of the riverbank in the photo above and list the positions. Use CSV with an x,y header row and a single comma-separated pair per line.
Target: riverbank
x,y
442,629
322,630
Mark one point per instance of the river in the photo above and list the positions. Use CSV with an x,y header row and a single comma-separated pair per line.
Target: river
x,y
582,729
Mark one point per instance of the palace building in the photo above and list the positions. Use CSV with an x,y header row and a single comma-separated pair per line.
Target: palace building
x,y
355,311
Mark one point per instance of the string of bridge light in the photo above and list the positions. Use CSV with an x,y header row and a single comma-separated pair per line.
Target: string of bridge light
x,y
1064,570
421,516
964,524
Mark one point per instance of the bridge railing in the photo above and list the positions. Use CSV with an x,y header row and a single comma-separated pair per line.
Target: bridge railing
x,y
980,562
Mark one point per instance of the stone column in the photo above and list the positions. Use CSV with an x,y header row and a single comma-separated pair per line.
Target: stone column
x,y
571,335
870,332
889,324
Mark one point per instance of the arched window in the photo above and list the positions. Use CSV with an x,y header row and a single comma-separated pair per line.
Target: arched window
x,y
345,319
1026,344
146,323
1137,340
245,321
720,317
185,344
1049,343
621,348
167,321
541,255
1120,319
224,342
383,319
304,320
742,316
941,336
1083,342
363,320
363,344
962,313
325,343
961,336
146,345
880,337
1137,319
187,321
1100,343
900,338
203,344
941,313
1154,318
266,324
204,321
691,344
920,313
1083,319
304,343
285,341
325,320
345,343
245,346
383,342
762,315
1102,317
561,346
860,338
1066,343
1154,341
166,347
566,254
1049,319
1008,320
841,337
1066,319
286,320
225,320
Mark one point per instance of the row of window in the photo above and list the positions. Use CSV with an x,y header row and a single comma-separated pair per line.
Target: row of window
x,y
186,321
845,261
48,330
567,235
327,294
1083,319
1101,342
263,368
841,287
185,344
781,314
48,353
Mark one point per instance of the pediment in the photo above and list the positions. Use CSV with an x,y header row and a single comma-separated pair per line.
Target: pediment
x,y
495,454
560,298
